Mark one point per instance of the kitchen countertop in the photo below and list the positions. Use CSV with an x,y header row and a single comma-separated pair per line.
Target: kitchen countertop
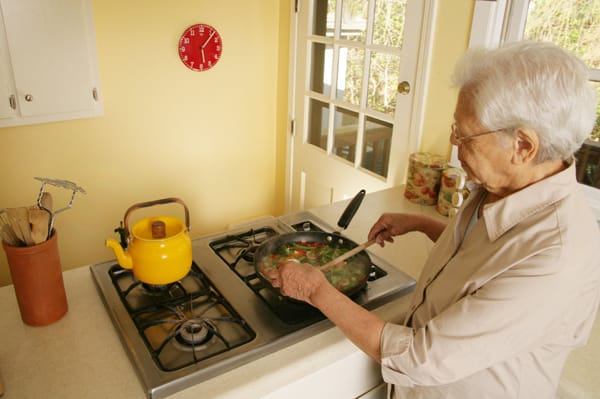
x,y
81,356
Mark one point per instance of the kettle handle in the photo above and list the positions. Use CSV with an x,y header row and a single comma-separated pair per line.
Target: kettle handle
x,y
152,203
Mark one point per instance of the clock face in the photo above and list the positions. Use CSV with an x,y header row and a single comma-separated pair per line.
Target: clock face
x,y
200,47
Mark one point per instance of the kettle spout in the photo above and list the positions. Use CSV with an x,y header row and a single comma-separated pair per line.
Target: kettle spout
x,y
123,258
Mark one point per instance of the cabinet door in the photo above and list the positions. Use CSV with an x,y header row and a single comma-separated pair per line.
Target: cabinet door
x,y
51,55
7,90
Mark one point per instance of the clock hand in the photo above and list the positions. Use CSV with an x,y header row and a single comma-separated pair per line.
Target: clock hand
x,y
202,51
208,40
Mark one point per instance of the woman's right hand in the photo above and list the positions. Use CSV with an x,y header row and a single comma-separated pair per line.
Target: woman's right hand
x,y
390,225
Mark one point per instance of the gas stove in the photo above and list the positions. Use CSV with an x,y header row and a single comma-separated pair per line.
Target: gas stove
x,y
221,316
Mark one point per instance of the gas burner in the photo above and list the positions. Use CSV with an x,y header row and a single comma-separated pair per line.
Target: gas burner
x,y
156,289
195,334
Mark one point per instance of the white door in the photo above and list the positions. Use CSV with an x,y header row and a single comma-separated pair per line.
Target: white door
x,y
355,85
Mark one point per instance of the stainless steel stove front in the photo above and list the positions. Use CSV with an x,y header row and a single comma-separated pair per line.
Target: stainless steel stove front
x,y
272,333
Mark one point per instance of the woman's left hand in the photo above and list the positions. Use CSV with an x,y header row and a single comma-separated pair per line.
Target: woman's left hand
x,y
297,280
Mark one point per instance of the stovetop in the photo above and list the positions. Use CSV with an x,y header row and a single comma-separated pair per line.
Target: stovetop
x,y
220,316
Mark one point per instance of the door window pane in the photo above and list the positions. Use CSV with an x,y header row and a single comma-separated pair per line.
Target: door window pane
x,y
383,78
376,146
318,122
389,22
354,20
345,132
350,74
324,18
321,71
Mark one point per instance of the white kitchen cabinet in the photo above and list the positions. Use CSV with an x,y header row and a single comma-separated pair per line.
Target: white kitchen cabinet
x,y
379,392
352,376
48,69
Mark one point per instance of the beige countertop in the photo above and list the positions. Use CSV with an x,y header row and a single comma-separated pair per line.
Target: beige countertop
x,y
81,355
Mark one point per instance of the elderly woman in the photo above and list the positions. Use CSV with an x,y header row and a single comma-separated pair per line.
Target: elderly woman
x,y
512,283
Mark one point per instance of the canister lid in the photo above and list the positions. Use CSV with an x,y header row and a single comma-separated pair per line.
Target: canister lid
x,y
427,159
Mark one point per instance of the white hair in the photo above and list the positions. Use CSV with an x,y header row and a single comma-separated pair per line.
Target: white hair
x,y
531,85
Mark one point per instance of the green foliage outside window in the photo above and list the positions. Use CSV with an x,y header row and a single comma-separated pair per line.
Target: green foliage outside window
x,y
571,24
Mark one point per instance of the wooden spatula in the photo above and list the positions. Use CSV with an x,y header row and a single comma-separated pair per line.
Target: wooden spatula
x,y
347,255
38,218
23,220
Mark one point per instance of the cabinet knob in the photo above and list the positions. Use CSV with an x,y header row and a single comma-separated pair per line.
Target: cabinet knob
x,y
28,97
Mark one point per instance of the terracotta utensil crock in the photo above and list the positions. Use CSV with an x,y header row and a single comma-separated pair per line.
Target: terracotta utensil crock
x,y
38,281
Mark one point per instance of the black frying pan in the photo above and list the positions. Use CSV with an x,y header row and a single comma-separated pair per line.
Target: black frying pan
x,y
360,263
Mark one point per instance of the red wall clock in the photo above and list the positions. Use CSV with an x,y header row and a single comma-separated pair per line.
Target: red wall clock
x,y
200,47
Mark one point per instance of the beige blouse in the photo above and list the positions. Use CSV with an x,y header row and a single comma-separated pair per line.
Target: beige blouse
x,y
495,314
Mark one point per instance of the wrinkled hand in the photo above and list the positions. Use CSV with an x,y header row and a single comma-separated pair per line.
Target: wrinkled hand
x,y
297,280
392,224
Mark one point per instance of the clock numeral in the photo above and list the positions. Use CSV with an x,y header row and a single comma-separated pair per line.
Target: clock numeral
x,y
192,32
186,40
185,58
182,49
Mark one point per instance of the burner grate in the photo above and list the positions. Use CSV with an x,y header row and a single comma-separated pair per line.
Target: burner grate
x,y
181,323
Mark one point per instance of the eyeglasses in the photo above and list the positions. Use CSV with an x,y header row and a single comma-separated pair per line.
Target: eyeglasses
x,y
457,140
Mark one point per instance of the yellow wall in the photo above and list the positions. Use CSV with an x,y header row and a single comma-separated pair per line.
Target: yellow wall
x,y
215,139
453,27
208,138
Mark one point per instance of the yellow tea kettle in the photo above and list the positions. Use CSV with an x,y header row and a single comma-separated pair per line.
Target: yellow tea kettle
x,y
159,249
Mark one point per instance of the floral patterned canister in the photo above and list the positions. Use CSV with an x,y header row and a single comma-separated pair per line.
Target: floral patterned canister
x,y
451,188
424,177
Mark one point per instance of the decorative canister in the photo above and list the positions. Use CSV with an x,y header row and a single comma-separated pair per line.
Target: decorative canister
x,y
424,176
452,184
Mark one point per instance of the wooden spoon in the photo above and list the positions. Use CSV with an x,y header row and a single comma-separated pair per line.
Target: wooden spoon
x,y
46,201
346,255
38,218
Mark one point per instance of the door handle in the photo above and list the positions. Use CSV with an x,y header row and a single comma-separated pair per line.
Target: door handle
x,y
404,87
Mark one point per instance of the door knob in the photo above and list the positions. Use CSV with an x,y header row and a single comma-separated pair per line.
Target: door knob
x,y
404,87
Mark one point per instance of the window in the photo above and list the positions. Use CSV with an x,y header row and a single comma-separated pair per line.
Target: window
x,y
574,25
355,67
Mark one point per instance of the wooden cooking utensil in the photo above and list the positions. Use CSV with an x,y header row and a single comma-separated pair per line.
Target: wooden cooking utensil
x,y
9,236
46,201
23,221
14,224
346,255
39,219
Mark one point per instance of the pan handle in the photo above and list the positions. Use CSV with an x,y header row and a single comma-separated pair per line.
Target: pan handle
x,y
351,209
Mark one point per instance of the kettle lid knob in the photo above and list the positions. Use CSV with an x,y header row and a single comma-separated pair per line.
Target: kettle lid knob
x,y
158,229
